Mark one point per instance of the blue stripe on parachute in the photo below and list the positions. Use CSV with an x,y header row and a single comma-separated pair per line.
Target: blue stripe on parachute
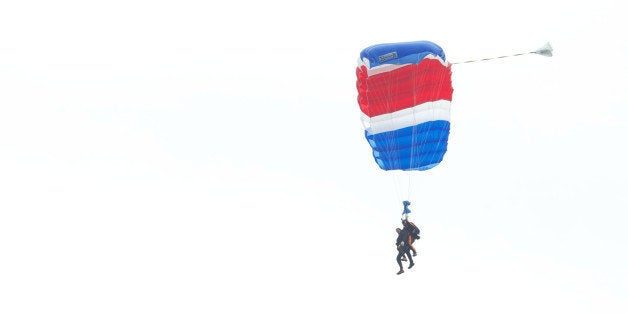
x,y
408,52
419,147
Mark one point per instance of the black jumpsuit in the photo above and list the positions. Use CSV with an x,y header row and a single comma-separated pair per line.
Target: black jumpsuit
x,y
403,247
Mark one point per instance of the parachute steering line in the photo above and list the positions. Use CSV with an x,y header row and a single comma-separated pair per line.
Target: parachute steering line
x,y
545,51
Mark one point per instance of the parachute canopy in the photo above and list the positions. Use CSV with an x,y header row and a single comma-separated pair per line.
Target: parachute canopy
x,y
404,93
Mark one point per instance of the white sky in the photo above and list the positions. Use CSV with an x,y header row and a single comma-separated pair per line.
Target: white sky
x,y
202,157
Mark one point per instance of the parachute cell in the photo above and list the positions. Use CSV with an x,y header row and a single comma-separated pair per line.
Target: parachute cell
x,y
404,93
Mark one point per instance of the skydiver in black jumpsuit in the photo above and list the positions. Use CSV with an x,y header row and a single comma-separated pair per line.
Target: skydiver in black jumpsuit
x,y
403,248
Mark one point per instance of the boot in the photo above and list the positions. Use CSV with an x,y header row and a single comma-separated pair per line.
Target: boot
x,y
400,272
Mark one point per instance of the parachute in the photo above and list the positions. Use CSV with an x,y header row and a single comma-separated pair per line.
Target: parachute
x,y
404,94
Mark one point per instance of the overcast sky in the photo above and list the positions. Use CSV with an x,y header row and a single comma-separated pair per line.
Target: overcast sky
x,y
208,157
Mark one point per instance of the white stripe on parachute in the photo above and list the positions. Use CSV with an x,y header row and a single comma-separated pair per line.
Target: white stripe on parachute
x,y
425,112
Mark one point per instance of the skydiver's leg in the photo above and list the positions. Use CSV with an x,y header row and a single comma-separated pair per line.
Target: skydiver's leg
x,y
399,255
412,247
410,259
